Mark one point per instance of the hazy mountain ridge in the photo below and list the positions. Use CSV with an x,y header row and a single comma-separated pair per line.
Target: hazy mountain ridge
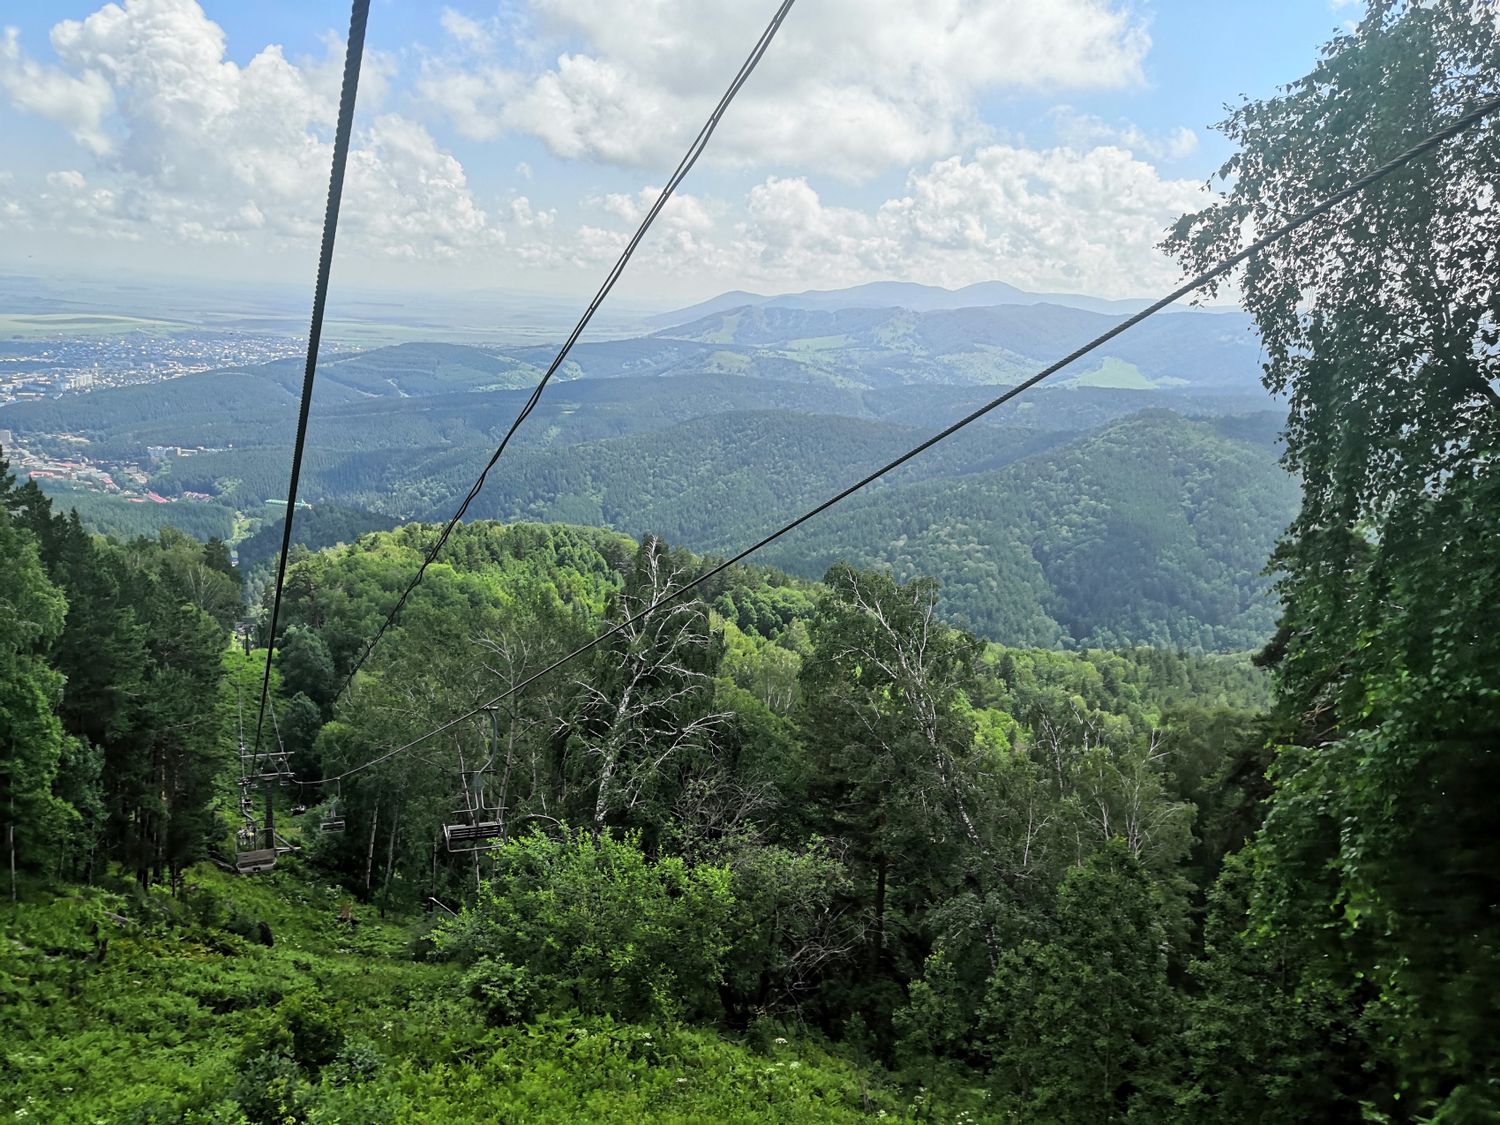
x,y
898,294
1000,344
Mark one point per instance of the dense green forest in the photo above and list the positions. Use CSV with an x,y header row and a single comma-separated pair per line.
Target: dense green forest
x,y
738,856
317,527
120,518
1036,539
1037,536
1152,530
807,847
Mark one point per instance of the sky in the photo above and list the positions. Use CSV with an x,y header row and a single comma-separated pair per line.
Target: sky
x,y
515,145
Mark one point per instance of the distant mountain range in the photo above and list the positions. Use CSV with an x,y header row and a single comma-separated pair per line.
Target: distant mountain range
x,y
1001,344
898,295
1131,500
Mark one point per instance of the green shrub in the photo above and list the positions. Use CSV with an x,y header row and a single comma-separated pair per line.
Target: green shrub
x,y
271,1089
356,1063
599,927
502,992
304,1028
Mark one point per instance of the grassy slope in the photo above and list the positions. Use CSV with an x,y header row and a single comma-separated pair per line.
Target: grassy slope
x,y
173,1018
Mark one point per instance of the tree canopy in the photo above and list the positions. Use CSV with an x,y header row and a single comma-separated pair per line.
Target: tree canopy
x,y
1382,326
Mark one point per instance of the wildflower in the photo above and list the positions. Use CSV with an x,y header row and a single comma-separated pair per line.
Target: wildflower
x,y
682,1082
780,1041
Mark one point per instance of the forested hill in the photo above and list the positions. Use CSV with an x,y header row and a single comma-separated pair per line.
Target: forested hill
x,y
692,441
727,874
715,432
1153,530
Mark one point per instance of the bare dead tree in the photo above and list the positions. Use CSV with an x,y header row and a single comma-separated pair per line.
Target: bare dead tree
x,y
653,708
714,807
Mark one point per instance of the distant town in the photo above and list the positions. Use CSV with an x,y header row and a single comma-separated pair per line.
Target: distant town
x,y
121,478
46,367
50,367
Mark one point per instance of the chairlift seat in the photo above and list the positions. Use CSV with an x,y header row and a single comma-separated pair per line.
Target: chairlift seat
x,y
260,859
332,824
476,833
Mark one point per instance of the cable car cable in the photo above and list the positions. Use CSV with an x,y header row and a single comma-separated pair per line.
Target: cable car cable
x,y
353,55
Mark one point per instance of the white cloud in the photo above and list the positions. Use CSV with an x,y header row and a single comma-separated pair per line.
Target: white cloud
x,y
10,208
194,148
683,212
189,147
1060,218
73,180
78,102
685,237
1080,130
470,32
850,86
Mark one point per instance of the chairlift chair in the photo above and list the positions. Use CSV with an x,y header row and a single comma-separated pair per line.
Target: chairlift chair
x,y
473,836
478,826
255,860
257,767
333,821
249,859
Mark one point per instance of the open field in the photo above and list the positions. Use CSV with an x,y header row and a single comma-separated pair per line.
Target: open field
x,y
31,325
